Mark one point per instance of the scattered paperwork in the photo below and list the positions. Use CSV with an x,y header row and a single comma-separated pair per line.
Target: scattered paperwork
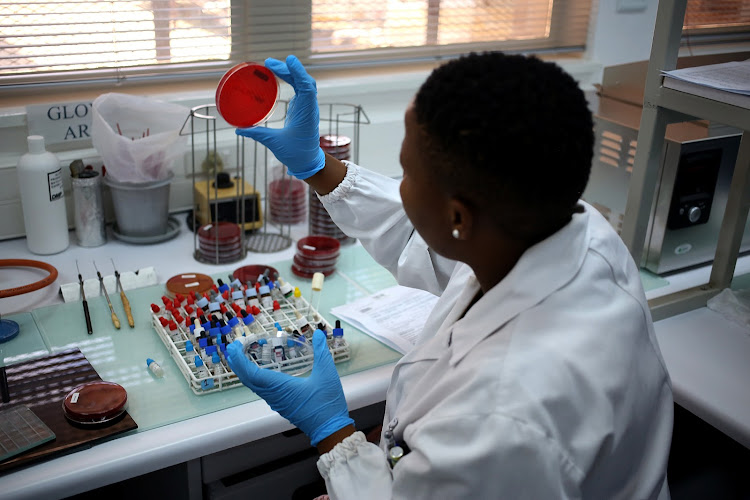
x,y
726,82
394,316
730,77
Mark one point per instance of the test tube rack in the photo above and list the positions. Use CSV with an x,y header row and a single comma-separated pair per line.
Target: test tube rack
x,y
220,377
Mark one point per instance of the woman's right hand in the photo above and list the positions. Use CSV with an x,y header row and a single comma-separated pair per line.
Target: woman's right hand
x,y
297,144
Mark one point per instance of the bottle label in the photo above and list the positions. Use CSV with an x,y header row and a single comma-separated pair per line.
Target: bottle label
x,y
54,180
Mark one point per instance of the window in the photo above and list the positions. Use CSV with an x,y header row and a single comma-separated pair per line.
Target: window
x,y
716,21
62,40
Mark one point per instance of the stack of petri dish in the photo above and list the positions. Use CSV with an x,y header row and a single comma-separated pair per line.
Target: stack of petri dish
x,y
338,146
315,254
287,200
219,243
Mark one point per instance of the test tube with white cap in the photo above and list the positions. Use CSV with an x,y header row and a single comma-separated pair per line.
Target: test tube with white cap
x,y
317,287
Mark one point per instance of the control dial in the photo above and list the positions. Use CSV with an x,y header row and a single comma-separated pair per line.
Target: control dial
x,y
694,214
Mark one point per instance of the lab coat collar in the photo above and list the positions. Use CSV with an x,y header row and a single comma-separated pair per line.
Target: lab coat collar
x,y
542,269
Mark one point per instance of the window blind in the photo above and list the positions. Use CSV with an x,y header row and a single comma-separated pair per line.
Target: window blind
x,y
58,41
73,41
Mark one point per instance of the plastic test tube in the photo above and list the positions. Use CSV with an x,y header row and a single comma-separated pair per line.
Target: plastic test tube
x,y
317,287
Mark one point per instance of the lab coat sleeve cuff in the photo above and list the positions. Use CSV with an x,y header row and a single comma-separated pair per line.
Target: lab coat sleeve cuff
x,y
356,468
346,185
342,452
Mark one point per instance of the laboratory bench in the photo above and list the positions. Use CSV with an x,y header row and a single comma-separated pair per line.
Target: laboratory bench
x,y
231,444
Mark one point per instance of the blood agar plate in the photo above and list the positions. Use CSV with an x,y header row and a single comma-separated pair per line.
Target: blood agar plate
x,y
95,403
247,94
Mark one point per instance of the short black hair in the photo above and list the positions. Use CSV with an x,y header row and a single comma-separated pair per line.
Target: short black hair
x,y
508,133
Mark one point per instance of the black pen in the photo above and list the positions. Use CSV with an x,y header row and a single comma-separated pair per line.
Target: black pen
x,y
85,302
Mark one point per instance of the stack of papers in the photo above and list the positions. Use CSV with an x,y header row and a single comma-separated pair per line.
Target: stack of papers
x,y
726,82
394,316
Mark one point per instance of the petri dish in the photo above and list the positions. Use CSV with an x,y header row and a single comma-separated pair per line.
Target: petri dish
x,y
95,402
188,282
221,232
319,247
247,94
251,272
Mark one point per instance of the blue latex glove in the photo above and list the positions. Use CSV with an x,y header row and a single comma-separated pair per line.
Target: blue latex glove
x,y
316,404
297,145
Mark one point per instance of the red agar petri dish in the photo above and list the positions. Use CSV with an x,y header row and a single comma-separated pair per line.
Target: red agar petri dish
x,y
319,247
95,403
247,94
251,272
223,232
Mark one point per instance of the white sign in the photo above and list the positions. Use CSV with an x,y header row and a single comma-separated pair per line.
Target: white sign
x,y
61,122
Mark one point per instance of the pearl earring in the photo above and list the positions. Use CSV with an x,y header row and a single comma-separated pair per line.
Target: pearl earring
x,y
455,233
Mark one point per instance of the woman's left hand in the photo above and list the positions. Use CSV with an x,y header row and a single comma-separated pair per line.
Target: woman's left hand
x,y
316,404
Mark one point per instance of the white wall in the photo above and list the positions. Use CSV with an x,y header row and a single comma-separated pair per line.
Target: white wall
x,y
621,37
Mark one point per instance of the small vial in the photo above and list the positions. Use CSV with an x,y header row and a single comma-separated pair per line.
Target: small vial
x,y
278,349
285,289
299,303
261,317
303,347
278,314
202,370
216,361
338,335
155,368
214,308
222,286
250,325
237,327
251,297
203,304
266,352
303,325
265,297
227,333
238,298
174,334
252,350
291,349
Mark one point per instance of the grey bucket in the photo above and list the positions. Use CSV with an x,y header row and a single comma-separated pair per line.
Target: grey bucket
x,y
141,208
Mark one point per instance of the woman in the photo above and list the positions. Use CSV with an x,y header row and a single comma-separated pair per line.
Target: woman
x,y
537,374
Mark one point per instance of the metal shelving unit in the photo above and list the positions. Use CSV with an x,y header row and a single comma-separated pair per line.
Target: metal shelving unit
x,y
664,106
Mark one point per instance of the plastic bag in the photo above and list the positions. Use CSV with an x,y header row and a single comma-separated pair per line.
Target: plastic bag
x,y
137,137
733,305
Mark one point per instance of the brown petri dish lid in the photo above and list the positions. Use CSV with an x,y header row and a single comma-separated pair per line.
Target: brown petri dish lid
x,y
189,282
95,402
318,246
251,272
223,232
308,273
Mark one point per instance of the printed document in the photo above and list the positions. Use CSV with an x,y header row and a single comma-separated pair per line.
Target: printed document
x,y
394,316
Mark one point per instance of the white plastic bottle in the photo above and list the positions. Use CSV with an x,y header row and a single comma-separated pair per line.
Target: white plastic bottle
x,y
43,199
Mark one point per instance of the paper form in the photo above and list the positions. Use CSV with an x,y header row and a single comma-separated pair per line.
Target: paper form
x,y
731,76
394,316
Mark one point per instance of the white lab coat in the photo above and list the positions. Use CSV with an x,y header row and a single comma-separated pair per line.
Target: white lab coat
x,y
551,386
